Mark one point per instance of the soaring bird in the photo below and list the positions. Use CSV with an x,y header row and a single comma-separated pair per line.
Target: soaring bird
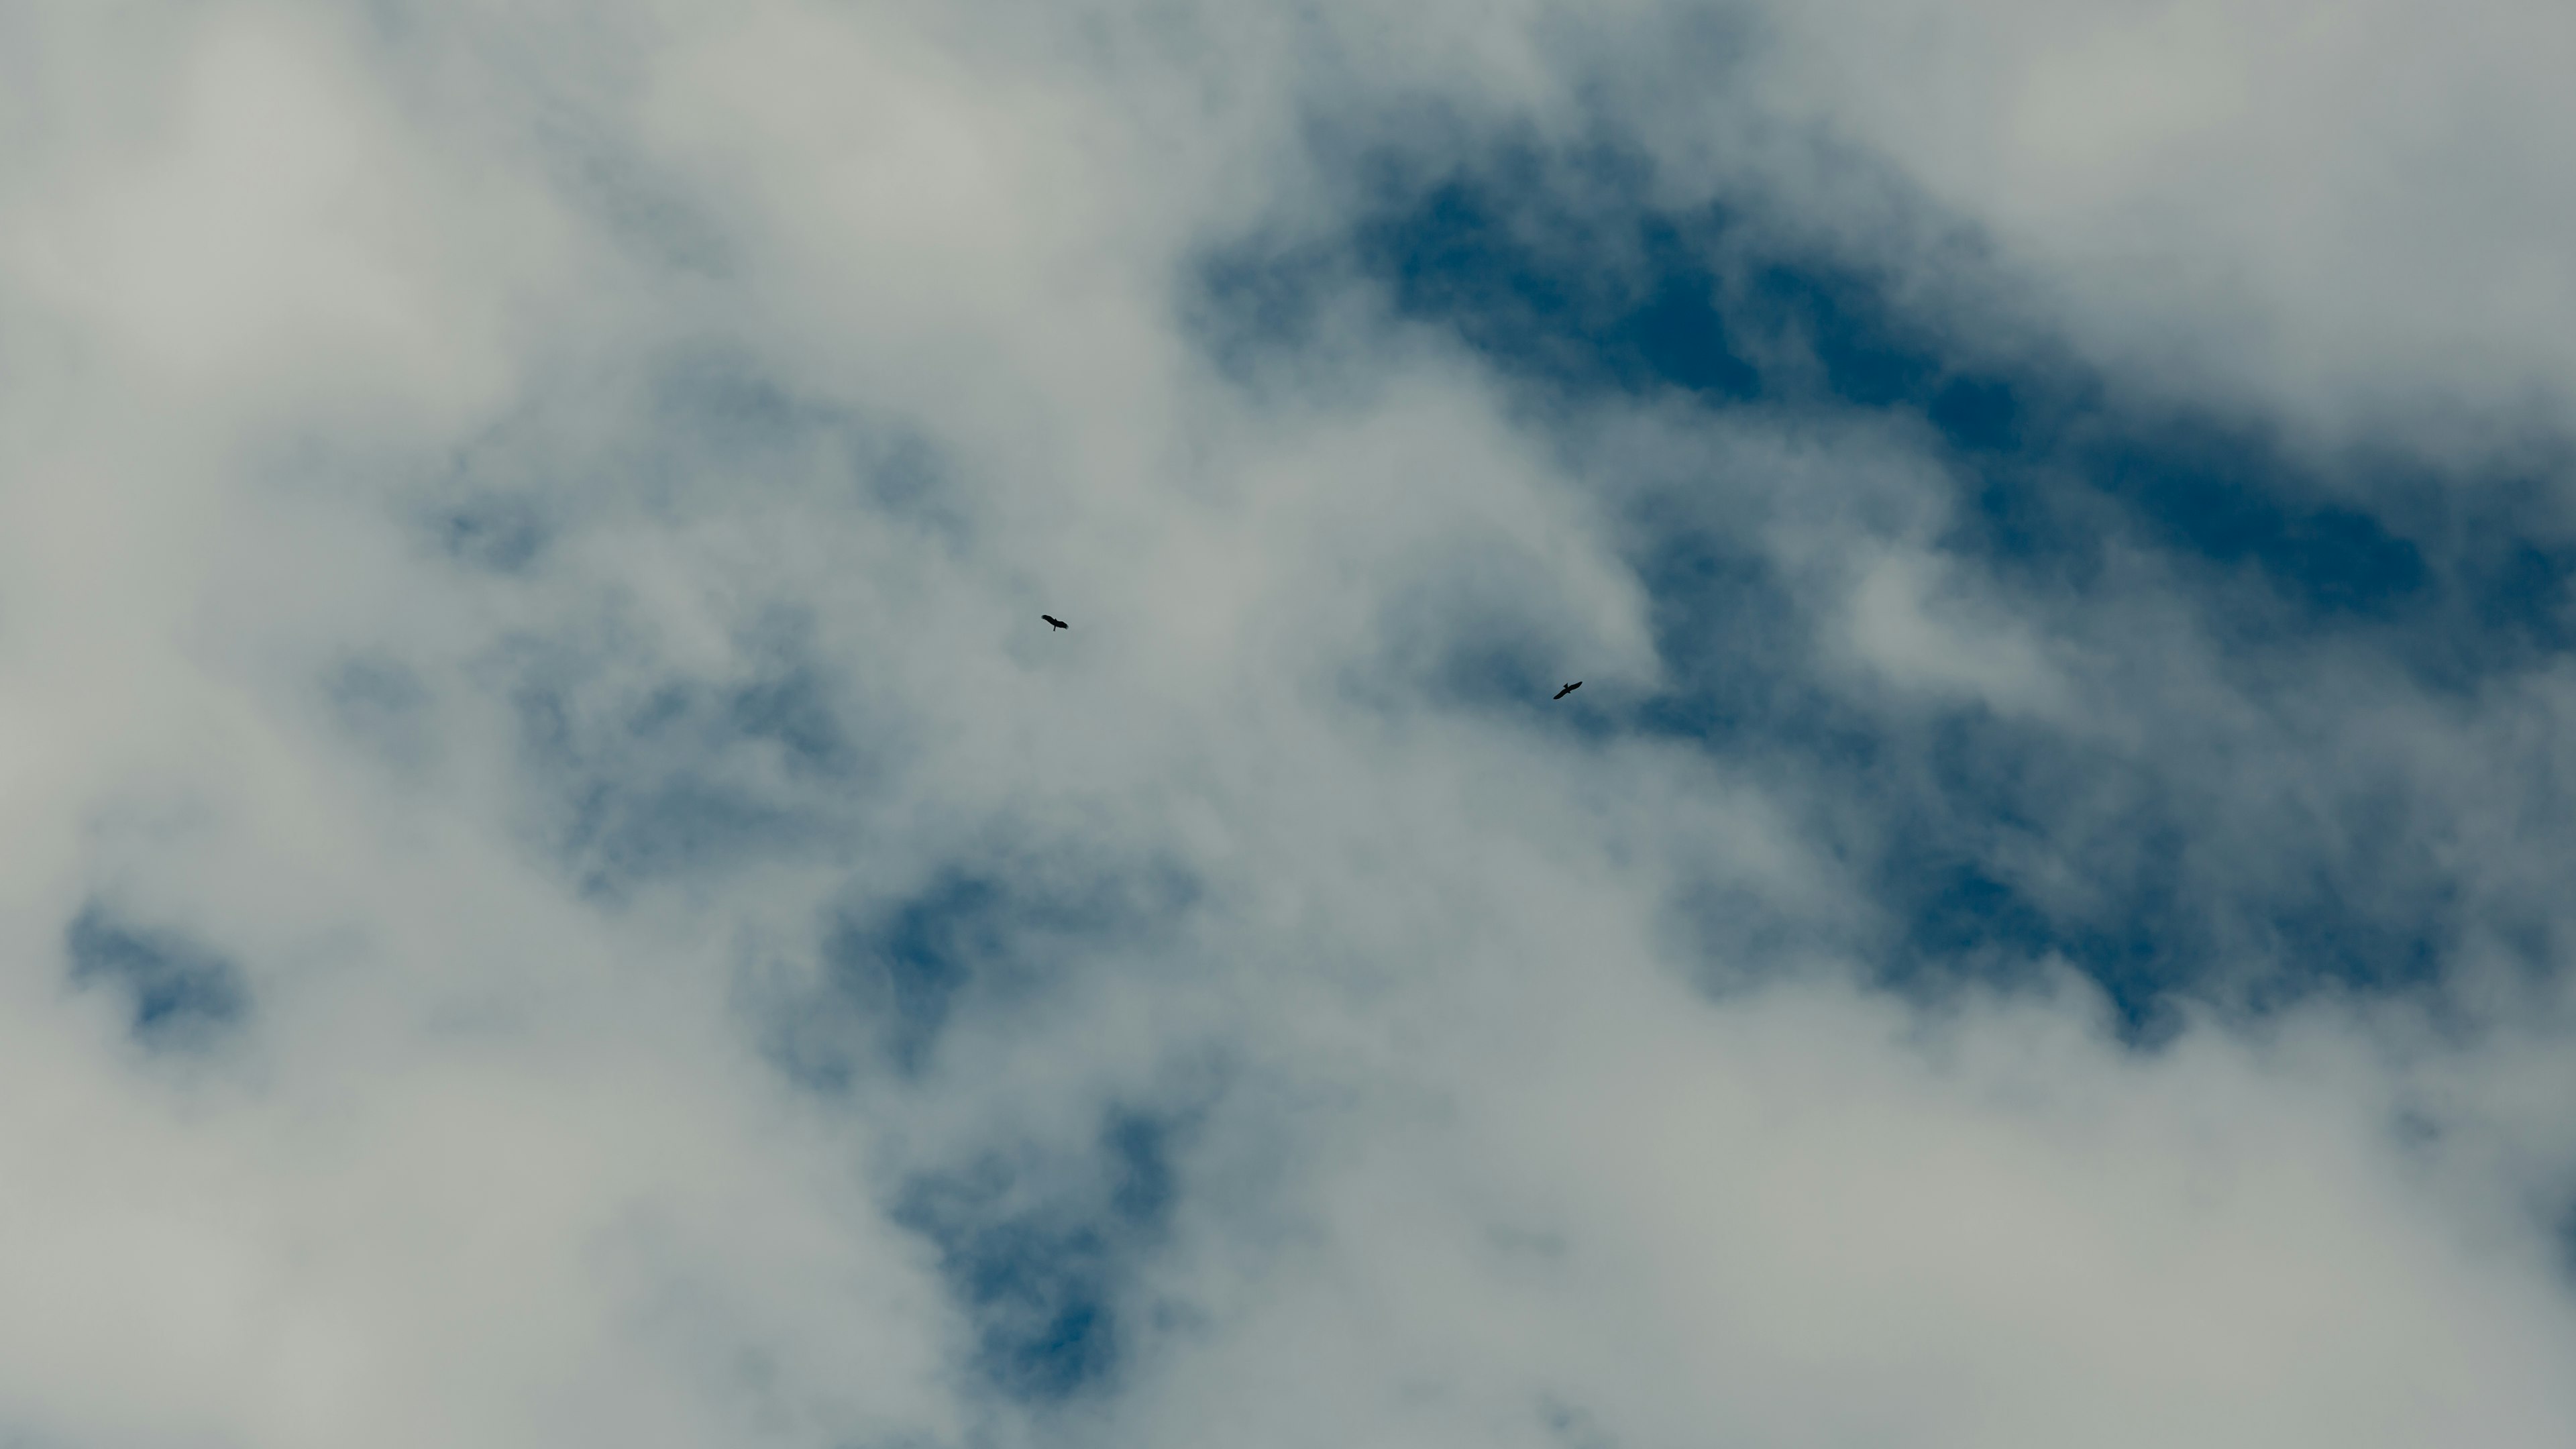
x,y
1569,689
1052,619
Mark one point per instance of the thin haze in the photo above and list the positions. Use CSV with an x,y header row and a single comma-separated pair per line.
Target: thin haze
x,y
558,889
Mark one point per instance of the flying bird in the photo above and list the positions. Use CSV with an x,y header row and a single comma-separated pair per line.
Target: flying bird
x,y
1052,619
1569,689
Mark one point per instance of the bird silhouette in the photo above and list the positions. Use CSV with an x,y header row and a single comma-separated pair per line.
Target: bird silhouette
x,y
1052,619
1569,689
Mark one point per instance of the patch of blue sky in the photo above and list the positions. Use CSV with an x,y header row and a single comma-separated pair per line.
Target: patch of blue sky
x,y
793,710
179,992
1731,632
1575,289
1042,1255
1458,254
2172,895
685,776
1563,275
903,974
1038,1248
895,973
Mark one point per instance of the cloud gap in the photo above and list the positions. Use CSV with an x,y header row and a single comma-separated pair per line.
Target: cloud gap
x,y
180,994
1043,1254
1555,269
982,938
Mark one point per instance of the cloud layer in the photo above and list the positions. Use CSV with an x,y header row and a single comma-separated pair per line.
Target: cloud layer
x,y
559,892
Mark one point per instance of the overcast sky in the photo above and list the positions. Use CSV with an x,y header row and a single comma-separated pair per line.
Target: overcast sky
x,y
555,889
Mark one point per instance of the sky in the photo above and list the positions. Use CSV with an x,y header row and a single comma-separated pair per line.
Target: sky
x,y
556,890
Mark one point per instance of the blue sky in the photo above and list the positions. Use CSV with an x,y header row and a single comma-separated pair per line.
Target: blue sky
x,y
1560,274
562,892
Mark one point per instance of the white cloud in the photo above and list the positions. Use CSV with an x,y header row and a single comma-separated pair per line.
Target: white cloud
x,y
2342,212
1904,625
1794,1224
819,348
